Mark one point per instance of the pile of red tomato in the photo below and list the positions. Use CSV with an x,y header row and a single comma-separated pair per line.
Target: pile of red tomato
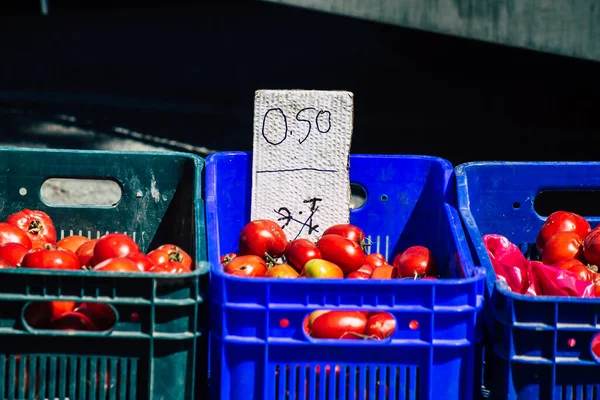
x,y
264,251
567,241
28,240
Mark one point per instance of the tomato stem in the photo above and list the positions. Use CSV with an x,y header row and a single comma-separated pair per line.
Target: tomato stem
x,y
35,227
593,268
270,260
175,255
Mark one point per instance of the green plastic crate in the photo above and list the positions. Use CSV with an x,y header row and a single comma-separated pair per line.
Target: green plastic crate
x,y
159,355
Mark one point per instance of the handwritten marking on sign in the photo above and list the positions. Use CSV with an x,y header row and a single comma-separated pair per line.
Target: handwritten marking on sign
x,y
286,215
322,121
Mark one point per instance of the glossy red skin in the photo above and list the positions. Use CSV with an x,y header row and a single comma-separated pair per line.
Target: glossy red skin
x,y
591,247
73,321
114,245
282,271
102,315
375,260
247,266
348,231
39,314
595,277
319,268
85,253
380,325
385,272
567,263
561,221
582,272
562,245
170,267
11,234
117,264
346,254
261,237
170,252
5,264
358,275
142,261
13,253
339,325
51,257
368,269
37,224
227,257
416,261
72,242
37,242
300,251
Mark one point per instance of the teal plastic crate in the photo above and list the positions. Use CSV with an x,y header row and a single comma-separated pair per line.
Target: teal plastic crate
x,y
157,348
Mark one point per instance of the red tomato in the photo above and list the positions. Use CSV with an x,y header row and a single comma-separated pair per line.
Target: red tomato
x,y
73,321
170,252
380,325
262,237
39,314
358,275
346,254
72,242
51,257
384,272
348,231
282,271
375,260
142,261
591,247
117,264
561,221
416,261
227,257
318,268
85,253
300,251
11,234
339,325
37,224
583,273
595,277
114,245
5,264
246,266
567,263
368,269
562,245
310,318
170,267
429,278
102,315
597,294
13,253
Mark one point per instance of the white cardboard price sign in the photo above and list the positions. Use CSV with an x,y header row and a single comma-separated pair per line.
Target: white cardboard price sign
x,y
301,158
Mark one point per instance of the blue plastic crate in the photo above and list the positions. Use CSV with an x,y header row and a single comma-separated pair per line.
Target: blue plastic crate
x,y
530,354
409,201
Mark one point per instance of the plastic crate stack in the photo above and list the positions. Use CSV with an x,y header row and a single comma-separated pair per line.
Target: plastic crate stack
x,y
410,200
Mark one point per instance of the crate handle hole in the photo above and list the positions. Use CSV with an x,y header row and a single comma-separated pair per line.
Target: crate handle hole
x,y
372,327
582,202
359,196
595,347
60,192
68,316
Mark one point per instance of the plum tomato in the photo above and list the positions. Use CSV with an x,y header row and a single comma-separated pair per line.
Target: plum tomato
x,y
358,275
72,242
380,325
375,260
348,231
39,314
300,251
37,224
566,263
415,262
12,234
591,247
13,253
319,268
50,257
583,273
227,257
385,272
344,253
246,266
339,325
170,267
282,271
314,315
262,237
85,253
561,221
102,315
114,245
170,252
562,245
73,321
143,262
117,264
